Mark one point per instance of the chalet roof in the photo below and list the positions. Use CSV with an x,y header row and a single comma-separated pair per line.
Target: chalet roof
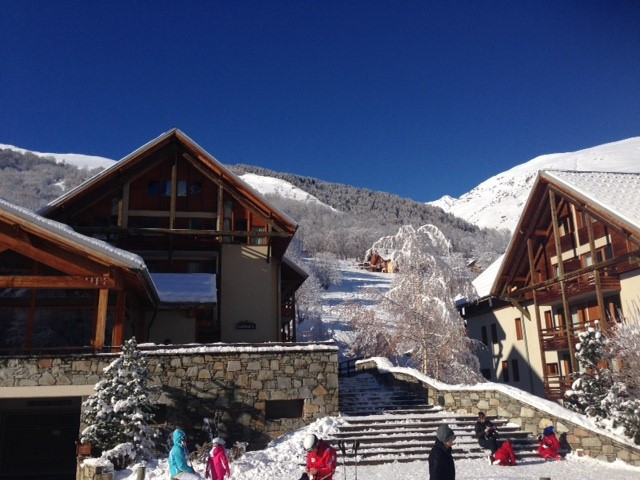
x,y
618,193
198,154
67,235
612,195
185,288
64,235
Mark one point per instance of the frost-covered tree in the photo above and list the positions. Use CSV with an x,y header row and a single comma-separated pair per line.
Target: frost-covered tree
x,y
417,316
120,409
594,380
598,391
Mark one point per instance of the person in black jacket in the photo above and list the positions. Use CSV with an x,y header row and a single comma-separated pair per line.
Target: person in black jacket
x,y
486,433
441,466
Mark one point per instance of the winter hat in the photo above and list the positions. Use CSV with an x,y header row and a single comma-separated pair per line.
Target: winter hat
x,y
217,441
444,433
548,431
310,441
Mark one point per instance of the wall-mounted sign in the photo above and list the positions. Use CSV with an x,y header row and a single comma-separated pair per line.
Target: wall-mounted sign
x,y
245,325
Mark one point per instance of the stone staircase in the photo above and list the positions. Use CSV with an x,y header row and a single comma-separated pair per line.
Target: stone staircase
x,y
394,424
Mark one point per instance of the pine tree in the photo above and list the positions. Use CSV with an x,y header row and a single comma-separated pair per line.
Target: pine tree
x,y
593,383
120,410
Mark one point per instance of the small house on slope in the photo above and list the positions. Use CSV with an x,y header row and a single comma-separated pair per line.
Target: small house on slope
x,y
168,246
573,260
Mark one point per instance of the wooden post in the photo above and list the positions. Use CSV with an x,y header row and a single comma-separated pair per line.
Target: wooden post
x,y
565,303
596,273
118,325
101,321
536,307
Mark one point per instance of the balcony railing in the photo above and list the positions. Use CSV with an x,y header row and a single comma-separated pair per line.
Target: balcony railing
x,y
582,284
555,386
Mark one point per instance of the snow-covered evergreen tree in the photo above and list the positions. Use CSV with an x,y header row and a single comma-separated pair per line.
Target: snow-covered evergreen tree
x,y
599,392
120,409
593,382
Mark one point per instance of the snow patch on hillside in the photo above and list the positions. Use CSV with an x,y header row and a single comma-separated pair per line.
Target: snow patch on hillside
x,y
281,188
78,160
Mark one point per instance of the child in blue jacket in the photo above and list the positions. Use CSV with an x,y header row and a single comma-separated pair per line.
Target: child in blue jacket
x,y
178,464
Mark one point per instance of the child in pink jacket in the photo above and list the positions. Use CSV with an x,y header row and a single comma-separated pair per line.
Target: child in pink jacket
x,y
217,465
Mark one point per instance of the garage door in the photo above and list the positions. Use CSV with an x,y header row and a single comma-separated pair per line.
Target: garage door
x,y
38,440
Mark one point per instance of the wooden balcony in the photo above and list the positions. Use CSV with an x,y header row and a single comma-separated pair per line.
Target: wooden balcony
x,y
580,285
555,386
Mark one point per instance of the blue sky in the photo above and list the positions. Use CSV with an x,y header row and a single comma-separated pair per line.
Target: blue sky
x,y
417,98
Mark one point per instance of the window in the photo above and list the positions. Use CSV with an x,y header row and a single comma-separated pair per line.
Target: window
x,y
505,371
181,191
485,339
194,189
153,188
548,320
516,370
258,240
494,333
486,373
166,188
552,369
283,409
519,329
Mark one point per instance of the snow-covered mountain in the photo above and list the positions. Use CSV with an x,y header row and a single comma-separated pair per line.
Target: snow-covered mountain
x,y
498,201
282,188
79,160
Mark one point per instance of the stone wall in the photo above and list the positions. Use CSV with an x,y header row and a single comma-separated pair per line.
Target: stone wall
x,y
582,440
232,382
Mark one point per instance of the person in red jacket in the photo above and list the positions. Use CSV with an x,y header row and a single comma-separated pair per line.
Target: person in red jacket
x,y
218,465
505,455
548,446
321,459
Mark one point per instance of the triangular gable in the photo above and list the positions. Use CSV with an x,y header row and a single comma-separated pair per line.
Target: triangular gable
x,y
611,198
134,163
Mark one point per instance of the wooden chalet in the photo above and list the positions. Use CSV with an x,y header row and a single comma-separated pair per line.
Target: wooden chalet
x,y
204,252
573,260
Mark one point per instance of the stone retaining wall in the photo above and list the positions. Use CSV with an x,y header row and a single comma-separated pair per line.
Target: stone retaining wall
x,y
580,439
233,383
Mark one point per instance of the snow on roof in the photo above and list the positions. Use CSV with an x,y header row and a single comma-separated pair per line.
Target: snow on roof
x,y
618,193
384,365
152,349
67,233
185,287
484,281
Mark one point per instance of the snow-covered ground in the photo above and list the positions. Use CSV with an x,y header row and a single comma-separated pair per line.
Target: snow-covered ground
x,y
283,458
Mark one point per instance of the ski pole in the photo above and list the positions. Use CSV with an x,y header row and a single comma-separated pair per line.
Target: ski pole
x,y
343,448
356,444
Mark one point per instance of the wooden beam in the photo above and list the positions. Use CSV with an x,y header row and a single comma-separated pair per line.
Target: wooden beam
x,y
123,219
57,282
185,231
594,259
101,320
174,188
59,259
565,301
118,325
